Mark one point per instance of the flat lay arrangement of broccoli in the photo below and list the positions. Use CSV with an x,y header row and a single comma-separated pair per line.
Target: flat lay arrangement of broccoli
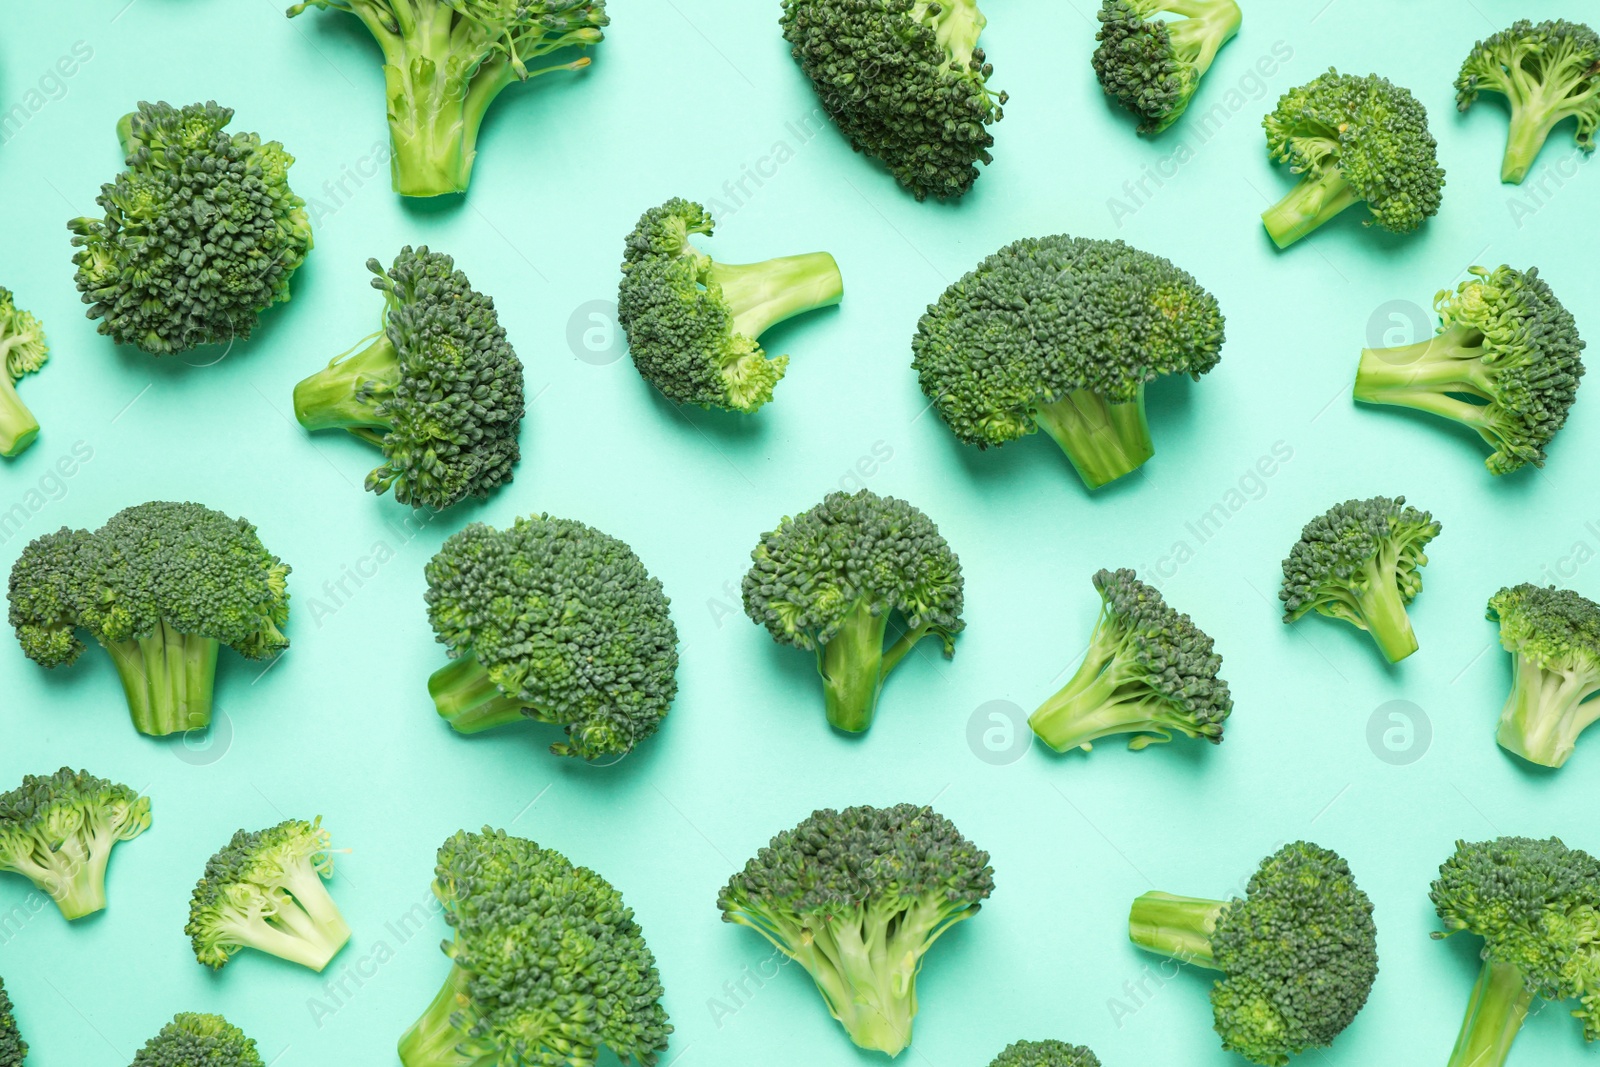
x,y
13,1050
1548,73
1048,1053
23,351
1553,636
58,831
198,1040
1153,66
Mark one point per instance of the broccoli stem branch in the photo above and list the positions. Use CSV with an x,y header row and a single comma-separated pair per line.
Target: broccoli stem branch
x,y
18,427
1318,198
761,295
467,698
1546,711
1178,927
1499,1006
1101,700
345,394
433,1039
168,678
1103,440
1447,362
853,668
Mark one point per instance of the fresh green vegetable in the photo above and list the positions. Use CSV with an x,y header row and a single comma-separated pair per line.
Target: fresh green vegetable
x,y
13,1050
192,1040
1553,636
1153,67
22,351
1045,1054
58,830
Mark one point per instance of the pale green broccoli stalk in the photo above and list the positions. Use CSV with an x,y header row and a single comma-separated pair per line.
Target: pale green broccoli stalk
x,y
1153,67
22,351
13,1050
1553,636
1048,1053
57,831
192,1040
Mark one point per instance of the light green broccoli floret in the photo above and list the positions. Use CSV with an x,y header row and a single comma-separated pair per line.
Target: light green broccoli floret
x,y
58,830
1553,636
1153,67
22,351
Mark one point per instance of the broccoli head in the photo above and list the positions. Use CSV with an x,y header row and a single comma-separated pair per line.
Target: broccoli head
x,y
1505,362
1153,68
1149,672
22,351
553,621
58,830
161,586
1536,904
201,233
694,325
1355,140
1047,1053
906,82
857,897
1062,334
438,389
1361,561
547,964
831,579
1553,636
1298,954
13,1050
192,1040
1548,73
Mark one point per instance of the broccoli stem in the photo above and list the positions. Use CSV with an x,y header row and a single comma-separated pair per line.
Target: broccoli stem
x,y
467,698
1318,198
1103,440
1499,1006
168,678
1101,700
345,394
291,935
18,427
1382,610
761,295
1178,927
433,1039
1531,123
76,876
1547,709
853,666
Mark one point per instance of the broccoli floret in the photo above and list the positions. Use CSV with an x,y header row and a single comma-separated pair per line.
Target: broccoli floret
x,y
1356,140
201,233
192,1040
906,83
1548,73
1153,68
1149,671
547,964
1298,954
439,389
1536,904
1553,636
13,1050
445,61
264,891
1505,362
22,351
1061,334
857,897
1361,561
1047,1053
553,621
831,580
58,830
694,325
161,586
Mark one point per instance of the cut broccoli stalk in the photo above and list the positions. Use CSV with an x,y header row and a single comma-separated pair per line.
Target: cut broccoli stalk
x,y
854,664
345,394
1531,123
1103,440
18,427
1378,607
1177,927
1500,1001
467,698
1108,695
1547,709
169,679
433,1040
761,295
1316,200
1432,376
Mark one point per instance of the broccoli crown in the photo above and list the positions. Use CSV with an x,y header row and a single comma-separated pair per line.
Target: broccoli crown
x,y
1551,628
58,832
22,345
13,1050
1552,68
193,1040
1046,316
905,81
1337,549
1152,67
201,233
1048,1053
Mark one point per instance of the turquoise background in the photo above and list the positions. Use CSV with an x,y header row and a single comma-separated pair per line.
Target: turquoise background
x,y
691,98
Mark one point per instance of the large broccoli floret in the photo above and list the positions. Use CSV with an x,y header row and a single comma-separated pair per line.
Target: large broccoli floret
x,y
1548,73
57,831
553,621
1361,561
1061,334
1553,636
830,581
1298,954
1047,1053
439,389
1356,139
161,586
1505,362
906,82
1536,904
547,964
694,325
192,1040
22,351
13,1050
857,897
201,233
1149,671
1153,68
264,891
445,61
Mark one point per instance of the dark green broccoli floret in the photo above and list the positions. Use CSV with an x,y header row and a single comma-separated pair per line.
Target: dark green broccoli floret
x,y
439,389
1356,140
1553,636
547,964
1361,561
1298,954
1505,362
1061,334
906,82
857,897
192,1040
1153,68
1547,73
58,830
22,351
13,1050
161,586
694,325
831,579
1536,904
554,621
201,233
1047,1053
1149,671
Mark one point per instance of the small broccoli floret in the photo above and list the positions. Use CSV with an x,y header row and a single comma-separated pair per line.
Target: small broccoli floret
x,y
439,389
906,83
13,1050
831,580
857,897
1536,904
553,621
1361,561
1149,671
201,233
22,351
192,1040
547,964
1153,68
1548,73
1553,636
1047,1053
58,830
1298,954
1062,334
1356,140
694,325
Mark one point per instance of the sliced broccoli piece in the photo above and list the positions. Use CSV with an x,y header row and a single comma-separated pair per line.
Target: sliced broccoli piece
x,y
22,351
1553,636
1548,73
1047,1053
58,830
192,1040
13,1050
1153,68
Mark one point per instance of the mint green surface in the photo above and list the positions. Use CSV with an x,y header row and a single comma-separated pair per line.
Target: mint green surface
x,y
699,98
